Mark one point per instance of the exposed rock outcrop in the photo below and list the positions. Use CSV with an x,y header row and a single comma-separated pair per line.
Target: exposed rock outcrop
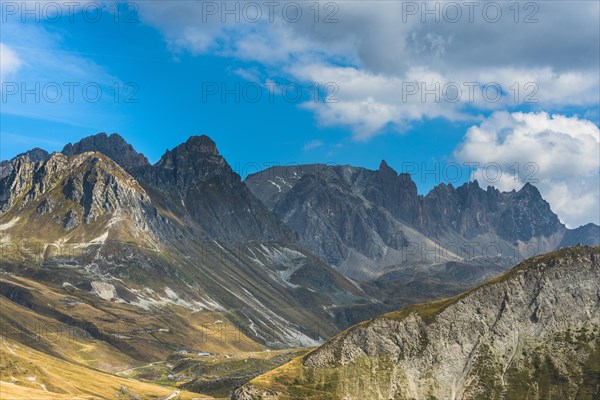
x,y
195,180
532,333
35,155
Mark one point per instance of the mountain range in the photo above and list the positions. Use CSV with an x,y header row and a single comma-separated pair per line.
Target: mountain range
x,y
145,260
388,245
375,220
183,231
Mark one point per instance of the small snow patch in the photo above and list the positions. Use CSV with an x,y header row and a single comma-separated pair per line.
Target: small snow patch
x,y
104,290
278,187
67,285
101,239
171,294
9,224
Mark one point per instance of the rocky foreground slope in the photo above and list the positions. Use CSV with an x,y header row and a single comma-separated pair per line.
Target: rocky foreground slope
x,y
531,333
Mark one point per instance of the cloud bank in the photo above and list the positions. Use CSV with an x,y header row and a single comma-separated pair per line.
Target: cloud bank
x,y
560,155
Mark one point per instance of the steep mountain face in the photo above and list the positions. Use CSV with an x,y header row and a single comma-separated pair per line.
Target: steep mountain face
x,y
194,182
196,177
62,194
395,192
532,333
471,211
393,227
185,233
334,210
34,155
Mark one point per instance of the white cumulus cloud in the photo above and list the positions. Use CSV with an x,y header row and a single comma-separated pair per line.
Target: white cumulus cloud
x,y
367,102
557,153
9,62
545,56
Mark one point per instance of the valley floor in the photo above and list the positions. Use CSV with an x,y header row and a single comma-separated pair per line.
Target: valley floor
x,y
28,374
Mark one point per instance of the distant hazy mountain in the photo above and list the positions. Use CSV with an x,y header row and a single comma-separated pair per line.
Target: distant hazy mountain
x,y
531,333
585,234
368,223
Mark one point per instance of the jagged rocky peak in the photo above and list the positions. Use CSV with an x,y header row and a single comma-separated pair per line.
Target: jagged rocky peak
x,y
386,171
197,149
472,194
194,179
200,144
530,191
76,189
386,175
196,160
113,146
35,155
528,216
441,189
384,168
100,186
395,192
29,178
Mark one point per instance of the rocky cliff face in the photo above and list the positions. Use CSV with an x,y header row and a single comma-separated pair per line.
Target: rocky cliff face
x,y
532,333
81,194
194,182
349,216
194,179
34,155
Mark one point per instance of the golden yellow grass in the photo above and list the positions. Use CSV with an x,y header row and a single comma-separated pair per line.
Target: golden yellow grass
x,y
29,374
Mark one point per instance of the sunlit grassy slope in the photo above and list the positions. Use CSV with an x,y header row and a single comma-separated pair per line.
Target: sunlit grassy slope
x,y
68,344
29,374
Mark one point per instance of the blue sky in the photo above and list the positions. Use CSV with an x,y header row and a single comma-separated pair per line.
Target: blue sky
x,y
170,61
